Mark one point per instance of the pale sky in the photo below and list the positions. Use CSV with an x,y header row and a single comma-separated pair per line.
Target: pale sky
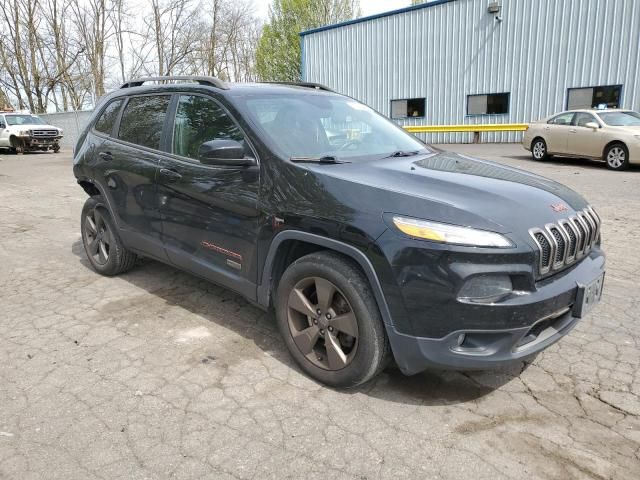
x,y
369,7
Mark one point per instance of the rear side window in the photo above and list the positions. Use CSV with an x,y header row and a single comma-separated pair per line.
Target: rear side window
x,y
199,120
143,120
108,117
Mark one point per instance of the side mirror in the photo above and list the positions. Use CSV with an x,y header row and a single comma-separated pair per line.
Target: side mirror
x,y
2,126
225,152
592,125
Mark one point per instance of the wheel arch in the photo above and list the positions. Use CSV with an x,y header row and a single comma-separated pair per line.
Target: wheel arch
x,y
537,137
93,188
611,144
289,245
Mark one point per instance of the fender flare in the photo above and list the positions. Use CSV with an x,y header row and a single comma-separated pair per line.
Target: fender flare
x,y
107,203
264,288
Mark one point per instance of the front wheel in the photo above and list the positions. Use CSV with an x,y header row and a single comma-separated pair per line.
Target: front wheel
x,y
617,157
56,148
539,150
103,246
17,145
330,321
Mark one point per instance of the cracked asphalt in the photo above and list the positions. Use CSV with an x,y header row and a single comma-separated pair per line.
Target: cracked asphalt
x,y
156,374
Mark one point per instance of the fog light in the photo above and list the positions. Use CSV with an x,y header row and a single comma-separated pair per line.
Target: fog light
x,y
485,288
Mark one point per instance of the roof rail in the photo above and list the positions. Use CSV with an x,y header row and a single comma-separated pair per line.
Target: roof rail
x,y
209,81
316,86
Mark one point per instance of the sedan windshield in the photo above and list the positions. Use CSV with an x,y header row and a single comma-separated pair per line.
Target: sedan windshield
x,y
320,126
24,120
621,119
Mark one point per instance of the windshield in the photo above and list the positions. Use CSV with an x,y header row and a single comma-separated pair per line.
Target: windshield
x,y
621,119
23,120
327,126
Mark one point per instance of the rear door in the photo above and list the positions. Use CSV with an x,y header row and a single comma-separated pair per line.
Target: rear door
x,y
128,159
556,133
583,140
210,216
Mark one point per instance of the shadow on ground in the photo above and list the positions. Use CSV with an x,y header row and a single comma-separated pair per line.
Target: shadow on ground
x,y
433,387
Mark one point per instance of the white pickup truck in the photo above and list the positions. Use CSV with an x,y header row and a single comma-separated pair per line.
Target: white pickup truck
x,y
23,132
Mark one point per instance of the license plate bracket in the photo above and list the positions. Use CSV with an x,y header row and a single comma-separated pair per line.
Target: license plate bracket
x,y
588,296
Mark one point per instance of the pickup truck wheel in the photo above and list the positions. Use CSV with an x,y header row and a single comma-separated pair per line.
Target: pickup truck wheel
x,y
101,242
330,321
56,148
617,157
17,145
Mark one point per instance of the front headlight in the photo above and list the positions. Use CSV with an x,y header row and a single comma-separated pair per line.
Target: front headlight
x,y
453,234
60,131
24,132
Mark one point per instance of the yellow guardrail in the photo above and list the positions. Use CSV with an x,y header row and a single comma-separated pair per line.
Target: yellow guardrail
x,y
494,127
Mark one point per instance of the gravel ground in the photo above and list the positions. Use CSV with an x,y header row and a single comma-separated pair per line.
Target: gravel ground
x,y
157,374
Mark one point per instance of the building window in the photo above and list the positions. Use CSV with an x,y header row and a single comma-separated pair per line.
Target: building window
x,y
413,107
607,96
490,104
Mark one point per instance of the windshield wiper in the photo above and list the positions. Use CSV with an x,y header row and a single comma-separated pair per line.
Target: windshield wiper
x,y
326,159
401,153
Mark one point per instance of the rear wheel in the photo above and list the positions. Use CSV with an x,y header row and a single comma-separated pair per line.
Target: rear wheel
x,y
330,320
617,156
101,241
539,150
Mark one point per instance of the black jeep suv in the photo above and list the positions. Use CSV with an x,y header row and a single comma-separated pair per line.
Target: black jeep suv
x,y
367,243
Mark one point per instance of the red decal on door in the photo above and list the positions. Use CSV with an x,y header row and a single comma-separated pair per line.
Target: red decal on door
x,y
219,249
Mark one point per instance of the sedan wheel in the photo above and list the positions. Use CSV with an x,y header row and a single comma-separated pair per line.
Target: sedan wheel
x,y
617,157
539,150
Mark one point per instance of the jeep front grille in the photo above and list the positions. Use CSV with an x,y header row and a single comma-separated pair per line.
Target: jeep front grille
x,y
44,133
565,242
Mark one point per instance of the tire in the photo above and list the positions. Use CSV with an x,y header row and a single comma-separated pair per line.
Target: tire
x,y
17,146
56,148
616,157
101,241
539,150
346,344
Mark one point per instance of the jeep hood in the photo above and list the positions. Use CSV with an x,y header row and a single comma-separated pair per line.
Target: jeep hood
x,y
451,188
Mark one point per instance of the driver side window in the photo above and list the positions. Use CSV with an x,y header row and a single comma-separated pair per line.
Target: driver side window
x,y
199,120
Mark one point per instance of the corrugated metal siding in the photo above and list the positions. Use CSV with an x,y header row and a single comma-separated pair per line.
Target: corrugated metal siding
x,y
448,51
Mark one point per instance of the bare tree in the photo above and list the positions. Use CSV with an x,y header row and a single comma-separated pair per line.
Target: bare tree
x,y
54,54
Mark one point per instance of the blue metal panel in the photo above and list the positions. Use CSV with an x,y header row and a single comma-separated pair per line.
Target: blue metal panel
x,y
456,48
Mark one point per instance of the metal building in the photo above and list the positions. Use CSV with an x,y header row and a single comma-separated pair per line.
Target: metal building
x,y
451,62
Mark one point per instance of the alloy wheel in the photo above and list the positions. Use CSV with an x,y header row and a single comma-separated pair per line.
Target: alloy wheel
x,y
616,157
98,238
539,150
322,323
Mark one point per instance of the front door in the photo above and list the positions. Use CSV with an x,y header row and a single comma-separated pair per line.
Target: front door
x,y
557,133
210,216
583,140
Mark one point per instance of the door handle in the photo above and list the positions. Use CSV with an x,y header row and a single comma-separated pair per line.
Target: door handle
x,y
106,156
170,175
573,130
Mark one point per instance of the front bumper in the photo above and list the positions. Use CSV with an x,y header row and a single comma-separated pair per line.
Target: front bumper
x,y
492,335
